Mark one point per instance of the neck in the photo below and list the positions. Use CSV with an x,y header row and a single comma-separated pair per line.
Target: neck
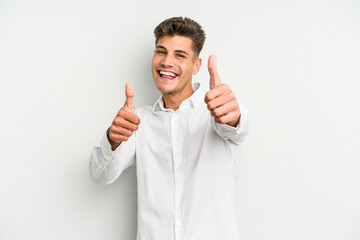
x,y
173,101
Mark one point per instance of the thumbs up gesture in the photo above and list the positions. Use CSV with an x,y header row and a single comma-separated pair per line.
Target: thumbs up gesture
x,y
220,100
125,122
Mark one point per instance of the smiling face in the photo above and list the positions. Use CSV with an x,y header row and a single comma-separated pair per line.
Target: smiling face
x,y
173,64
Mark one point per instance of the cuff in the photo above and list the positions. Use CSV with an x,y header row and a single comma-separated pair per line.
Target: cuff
x,y
227,131
234,133
105,147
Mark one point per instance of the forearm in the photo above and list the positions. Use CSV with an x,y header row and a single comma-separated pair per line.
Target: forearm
x,y
106,165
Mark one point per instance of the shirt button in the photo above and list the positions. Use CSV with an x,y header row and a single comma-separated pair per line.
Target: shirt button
x,y
176,142
178,169
109,153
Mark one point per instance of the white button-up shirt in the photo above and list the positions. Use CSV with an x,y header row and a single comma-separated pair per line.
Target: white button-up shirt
x,y
186,167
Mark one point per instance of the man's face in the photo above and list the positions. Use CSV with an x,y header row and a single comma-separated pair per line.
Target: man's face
x,y
173,65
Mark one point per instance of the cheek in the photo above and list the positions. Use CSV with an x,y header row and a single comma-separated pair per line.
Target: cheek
x,y
155,61
191,70
188,69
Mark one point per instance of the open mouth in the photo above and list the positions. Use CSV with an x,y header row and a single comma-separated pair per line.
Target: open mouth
x,y
167,74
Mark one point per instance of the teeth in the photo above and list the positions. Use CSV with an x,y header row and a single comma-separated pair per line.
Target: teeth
x,y
167,73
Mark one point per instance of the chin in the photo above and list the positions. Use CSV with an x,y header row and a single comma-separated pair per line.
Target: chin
x,y
163,89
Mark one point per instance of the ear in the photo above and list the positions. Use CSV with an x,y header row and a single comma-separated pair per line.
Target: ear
x,y
197,65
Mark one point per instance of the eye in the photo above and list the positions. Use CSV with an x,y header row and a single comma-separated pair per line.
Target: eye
x,y
161,52
180,55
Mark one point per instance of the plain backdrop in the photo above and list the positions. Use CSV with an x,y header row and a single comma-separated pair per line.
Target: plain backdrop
x,y
295,64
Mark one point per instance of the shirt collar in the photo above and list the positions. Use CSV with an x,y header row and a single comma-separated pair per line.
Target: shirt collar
x,y
193,101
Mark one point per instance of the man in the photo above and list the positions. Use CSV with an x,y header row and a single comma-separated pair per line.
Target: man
x,y
185,147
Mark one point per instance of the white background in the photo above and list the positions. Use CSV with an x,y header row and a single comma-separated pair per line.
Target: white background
x,y
295,64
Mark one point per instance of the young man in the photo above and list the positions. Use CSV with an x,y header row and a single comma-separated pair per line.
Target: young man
x,y
185,147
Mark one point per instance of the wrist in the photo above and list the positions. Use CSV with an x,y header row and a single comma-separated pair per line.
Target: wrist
x,y
234,123
113,144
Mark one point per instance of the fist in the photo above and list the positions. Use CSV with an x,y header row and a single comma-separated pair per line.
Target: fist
x,y
125,122
221,100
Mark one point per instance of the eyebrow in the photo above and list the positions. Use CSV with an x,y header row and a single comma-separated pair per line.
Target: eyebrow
x,y
178,51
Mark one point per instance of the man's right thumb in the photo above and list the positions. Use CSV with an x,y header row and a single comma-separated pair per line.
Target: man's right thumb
x,y
129,102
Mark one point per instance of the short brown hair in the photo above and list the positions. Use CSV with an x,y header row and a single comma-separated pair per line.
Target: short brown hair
x,y
179,26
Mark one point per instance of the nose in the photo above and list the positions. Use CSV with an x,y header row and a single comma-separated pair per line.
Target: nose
x,y
167,61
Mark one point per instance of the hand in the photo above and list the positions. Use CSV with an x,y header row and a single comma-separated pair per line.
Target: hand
x,y
126,121
221,101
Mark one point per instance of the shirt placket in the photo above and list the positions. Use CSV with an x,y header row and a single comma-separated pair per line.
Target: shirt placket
x,y
178,173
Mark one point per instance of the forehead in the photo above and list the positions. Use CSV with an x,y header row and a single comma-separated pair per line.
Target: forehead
x,y
174,43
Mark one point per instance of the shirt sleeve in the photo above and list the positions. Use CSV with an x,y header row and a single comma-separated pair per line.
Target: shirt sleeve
x,y
234,134
106,165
